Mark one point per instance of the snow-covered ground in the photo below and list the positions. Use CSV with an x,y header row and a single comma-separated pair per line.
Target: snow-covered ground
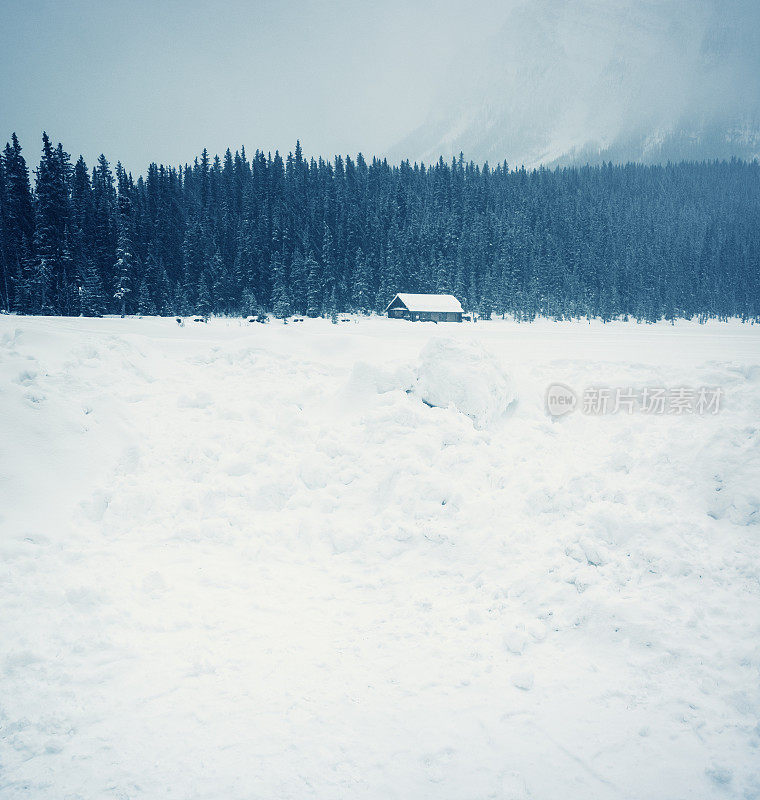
x,y
246,561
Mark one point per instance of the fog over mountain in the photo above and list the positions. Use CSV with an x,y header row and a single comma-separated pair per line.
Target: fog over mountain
x,y
571,81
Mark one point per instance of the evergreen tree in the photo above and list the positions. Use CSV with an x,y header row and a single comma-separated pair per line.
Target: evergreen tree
x,y
145,304
23,282
194,259
280,296
106,225
250,304
205,304
332,308
329,268
50,277
91,302
487,302
17,215
300,283
180,301
362,284
123,269
241,234
218,284
165,296
5,280
314,287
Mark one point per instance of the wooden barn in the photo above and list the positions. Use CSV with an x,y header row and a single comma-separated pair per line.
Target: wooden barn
x,y
425,307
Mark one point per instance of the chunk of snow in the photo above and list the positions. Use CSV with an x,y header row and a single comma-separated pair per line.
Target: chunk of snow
x,y
523,680
464,376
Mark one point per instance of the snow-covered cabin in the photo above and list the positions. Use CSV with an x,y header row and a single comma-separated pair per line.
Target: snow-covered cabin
x,y
429,307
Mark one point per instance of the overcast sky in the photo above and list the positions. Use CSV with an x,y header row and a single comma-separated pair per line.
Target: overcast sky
x,y
157,80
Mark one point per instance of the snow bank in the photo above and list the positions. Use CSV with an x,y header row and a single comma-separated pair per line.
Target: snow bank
x,y
218,579
464,376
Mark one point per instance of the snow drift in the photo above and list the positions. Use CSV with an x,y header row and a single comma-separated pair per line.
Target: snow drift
x,y
248,561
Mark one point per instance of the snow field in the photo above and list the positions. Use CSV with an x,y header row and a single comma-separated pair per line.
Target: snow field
x,y
327,561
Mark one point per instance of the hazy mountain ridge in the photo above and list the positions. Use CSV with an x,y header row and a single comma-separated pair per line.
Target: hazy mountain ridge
x,y
569,82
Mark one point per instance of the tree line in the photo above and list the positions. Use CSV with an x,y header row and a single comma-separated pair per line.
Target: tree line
x,y
293,235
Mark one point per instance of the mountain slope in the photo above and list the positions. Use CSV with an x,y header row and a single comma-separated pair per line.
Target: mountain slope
x,y
566,82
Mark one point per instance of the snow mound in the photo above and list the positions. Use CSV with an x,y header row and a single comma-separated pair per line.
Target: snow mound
x,y
464,376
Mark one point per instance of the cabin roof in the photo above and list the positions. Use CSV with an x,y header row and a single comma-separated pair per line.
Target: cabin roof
x,y
441,303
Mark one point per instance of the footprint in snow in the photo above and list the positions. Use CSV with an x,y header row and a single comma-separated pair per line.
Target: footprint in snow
x,y
515,642
26,377
198,400
719,775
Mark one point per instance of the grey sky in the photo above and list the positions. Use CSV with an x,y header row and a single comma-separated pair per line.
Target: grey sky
x,y
160,79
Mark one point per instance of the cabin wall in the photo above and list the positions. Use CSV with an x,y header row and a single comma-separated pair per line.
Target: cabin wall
x,y
424,316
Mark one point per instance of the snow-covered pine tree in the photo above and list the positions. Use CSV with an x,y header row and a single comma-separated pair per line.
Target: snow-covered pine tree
x,y
151,292
362,284
329,272
217,284
51,214
5,279
332,308
180,301
488,296
164,295
123,268
43,267
280,297
66,297
193,259
91,302
145,304
506,278
102,246
22,282
250,304
204,306
20,285
299,282
314,284
18,221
